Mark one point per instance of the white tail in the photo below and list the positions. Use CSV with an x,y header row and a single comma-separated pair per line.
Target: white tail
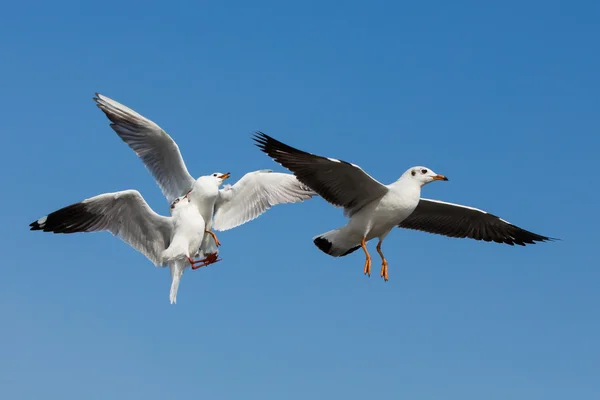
x,y
336,243
176,272
173,253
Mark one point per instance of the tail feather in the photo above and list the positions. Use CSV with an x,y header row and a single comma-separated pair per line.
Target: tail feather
x,y
336,243
176,272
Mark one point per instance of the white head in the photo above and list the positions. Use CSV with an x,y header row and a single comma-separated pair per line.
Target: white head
x,y
179,203
216,177
422,175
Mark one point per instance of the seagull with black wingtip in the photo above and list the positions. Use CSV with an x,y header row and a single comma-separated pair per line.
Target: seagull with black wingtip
x,y
374,209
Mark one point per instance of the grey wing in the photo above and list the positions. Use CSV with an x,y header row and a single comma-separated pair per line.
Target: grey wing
x,y
339,182
455,220
154,146
254,194
125,214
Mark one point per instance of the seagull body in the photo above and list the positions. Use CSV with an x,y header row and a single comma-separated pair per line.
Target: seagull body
x,y
163,240
222,209
375,209
374,220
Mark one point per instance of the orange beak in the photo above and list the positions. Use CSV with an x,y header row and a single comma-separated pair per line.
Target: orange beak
x,y
439,178
225,175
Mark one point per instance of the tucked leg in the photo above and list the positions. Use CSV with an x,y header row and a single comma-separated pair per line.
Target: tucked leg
x,y
210,259
206,263
211,233
363,244
384,264
196,263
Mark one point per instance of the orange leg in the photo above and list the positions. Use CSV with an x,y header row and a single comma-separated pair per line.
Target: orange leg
x,y
363,244
384,264
211,233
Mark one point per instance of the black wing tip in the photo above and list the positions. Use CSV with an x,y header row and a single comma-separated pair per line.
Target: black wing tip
x,y
323,244
523,238
69,219
545,239
527,240
35,226
262,140
261,135
526,237
275,148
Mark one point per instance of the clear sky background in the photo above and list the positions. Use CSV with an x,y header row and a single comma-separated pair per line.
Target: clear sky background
x,y
502,98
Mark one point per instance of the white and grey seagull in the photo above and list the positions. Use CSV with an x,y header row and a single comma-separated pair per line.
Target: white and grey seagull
x,y
222,209
375,209
163,240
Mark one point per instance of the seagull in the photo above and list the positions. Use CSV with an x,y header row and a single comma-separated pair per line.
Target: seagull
x,y
163,240
222,209
375,209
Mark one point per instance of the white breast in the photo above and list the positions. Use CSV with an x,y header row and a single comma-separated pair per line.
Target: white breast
x,y
392,209
204,197
189,228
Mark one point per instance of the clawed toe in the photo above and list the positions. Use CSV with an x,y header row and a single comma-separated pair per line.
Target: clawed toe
x,y
384,270
367,269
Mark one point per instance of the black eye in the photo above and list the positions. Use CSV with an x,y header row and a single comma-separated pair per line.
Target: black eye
x,y
423,171
412,173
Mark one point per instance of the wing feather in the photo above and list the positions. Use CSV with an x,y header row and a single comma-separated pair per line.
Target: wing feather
x,y
254,194
455,220
339,182
125,214
157,150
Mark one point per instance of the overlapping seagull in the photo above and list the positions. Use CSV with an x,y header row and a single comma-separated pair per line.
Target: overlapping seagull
x,y
222,209
163,240
375,209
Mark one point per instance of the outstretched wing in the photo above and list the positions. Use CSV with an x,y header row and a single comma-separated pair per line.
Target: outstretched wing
x,y
339,182
154,146
455,220
125,214
254,194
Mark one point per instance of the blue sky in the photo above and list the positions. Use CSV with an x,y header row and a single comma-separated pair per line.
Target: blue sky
x,y
503,99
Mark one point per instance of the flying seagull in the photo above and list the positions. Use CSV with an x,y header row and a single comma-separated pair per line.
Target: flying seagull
x,y
163,240
374,209
222,209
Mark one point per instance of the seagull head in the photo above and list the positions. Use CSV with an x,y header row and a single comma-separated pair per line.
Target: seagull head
x,y
218,177
423,175
178,202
